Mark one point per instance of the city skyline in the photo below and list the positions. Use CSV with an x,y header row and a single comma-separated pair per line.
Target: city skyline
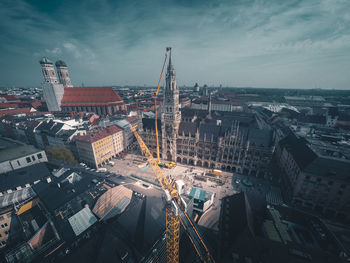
x,y
257,44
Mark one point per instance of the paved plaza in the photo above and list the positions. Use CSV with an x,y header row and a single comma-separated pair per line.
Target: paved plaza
x,y
135,167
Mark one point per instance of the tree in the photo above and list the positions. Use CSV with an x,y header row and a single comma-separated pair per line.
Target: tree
x,y
57,153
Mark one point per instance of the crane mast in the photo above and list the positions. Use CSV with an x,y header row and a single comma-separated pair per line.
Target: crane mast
x,y
175,209
175,214
155,102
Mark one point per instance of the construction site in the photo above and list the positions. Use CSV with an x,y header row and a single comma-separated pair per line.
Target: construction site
x,y
186,199
192,186
176,208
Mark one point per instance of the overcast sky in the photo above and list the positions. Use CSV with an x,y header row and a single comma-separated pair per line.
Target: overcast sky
x,y
278,44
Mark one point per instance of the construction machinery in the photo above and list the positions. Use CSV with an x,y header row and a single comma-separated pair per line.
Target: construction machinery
x,y
176,207
155,101
175,214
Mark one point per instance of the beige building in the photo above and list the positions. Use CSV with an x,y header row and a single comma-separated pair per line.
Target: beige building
x,y
97,148
5,222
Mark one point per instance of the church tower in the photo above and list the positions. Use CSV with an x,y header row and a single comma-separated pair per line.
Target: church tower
x,y
48,70
52,89
171,115
62,72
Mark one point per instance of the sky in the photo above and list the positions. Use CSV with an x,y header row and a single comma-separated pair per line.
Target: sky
x,y
257,43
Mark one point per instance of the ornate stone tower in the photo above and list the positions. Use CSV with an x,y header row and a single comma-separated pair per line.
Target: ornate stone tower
x,y
171,115
52,90
48,70
62,72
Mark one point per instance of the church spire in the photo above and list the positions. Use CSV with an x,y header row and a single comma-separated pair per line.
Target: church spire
x,y
170,65
171,115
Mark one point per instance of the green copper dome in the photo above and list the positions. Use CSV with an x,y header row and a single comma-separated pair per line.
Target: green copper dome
x,y
45,60
60,63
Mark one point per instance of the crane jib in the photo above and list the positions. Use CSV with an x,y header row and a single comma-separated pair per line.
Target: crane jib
x,y
184,219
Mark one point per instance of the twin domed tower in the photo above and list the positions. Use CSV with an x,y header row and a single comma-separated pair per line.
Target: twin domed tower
x,y
53,88
50,74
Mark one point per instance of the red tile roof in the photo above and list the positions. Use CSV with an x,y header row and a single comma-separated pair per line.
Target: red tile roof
x,y
90,96
6,105
36,104
100,134
15,111
132,119
9,97
93,118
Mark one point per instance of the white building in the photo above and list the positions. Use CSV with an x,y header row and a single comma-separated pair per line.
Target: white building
x,y
15,155
54,133
217,105
202,199
274,107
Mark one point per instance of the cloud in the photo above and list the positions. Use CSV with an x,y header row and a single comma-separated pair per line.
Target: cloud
x,y
72,49
55,51
118,42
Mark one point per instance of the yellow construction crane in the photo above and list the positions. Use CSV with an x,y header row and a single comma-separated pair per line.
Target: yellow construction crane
x,y
175,210
155,101
175,214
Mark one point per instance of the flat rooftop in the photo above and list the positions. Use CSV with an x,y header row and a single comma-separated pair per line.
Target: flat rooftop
x,y
11,149
23,176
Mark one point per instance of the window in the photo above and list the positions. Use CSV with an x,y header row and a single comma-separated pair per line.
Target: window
x,y
40,156
19,164
6,232
33,158
2,226
28,159
5,224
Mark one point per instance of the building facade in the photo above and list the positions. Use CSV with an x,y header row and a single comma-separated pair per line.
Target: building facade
x,y
224,140
127,125
314,180
97,148
5,223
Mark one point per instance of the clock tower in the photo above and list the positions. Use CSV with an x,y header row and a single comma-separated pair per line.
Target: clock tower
x,y
171,115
